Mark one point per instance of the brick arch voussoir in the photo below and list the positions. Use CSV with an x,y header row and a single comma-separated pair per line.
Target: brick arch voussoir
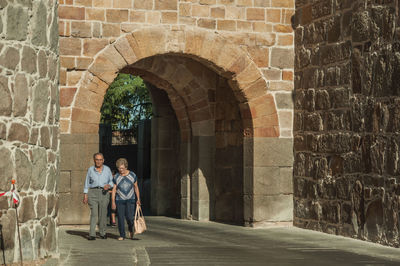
x,y
84,121
178,105
207,47
183,80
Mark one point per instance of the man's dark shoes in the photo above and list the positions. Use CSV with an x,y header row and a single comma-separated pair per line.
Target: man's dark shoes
x,y
91,238
103,237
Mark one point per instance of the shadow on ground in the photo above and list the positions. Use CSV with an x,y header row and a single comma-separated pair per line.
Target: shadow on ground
x,y
85,235
171,241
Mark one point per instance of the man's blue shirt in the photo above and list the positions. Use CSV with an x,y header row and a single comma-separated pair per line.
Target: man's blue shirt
x,y
96,179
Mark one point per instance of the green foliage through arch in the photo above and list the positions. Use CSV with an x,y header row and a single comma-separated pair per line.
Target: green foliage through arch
x,y
127,101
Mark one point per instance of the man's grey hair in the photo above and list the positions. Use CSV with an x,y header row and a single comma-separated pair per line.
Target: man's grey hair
x,y
98,153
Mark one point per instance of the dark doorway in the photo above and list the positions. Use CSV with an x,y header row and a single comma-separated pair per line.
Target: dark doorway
x,y
125,129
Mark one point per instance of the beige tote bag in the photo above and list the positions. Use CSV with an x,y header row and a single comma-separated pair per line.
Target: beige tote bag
x,y
139,223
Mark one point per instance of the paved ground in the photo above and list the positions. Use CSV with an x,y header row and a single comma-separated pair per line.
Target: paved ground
x,y
171,241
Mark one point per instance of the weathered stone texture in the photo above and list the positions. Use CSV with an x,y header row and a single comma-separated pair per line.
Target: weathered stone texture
x,y
8,222
24,169
17,23
29,63
39,168
26,211
18,132
53,34
39,23
26,243
3,130
41,208
5,97
51,234
40,100
21,95
10,58
51,204
346,142
6,168
51,179
28,124
38,244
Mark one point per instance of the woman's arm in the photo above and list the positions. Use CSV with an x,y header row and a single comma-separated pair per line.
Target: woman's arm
x,y
137,194
114,191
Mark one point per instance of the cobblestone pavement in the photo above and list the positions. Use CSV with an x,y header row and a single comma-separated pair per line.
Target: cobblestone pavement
x,y
171,241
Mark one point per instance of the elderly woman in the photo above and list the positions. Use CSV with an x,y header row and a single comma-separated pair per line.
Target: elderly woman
x,y
123,197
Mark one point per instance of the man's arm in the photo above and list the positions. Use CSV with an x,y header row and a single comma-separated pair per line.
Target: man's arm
x,y
110,183
86,189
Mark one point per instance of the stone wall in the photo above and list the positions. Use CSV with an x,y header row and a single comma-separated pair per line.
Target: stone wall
x,y
165,168
29,122
347,106
76,156
261,27
247,42
227,186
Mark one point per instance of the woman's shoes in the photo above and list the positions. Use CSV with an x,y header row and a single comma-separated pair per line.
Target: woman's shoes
x,y
130,236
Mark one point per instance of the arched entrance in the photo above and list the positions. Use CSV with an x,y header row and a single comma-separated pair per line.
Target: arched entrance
x,y
208,155
230,154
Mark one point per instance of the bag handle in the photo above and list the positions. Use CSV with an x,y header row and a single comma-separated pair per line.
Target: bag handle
x,y
138,212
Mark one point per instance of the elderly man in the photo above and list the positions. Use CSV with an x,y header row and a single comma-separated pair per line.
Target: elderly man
x,y
98,181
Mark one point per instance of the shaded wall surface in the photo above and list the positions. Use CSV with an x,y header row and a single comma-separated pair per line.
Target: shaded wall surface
x,y
76,151
29,122
346,124
227,186
164,197
143,170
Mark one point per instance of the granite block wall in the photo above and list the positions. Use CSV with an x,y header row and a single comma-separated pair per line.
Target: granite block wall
x,y
346,118
29,125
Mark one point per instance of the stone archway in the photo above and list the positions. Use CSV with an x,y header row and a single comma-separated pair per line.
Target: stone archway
x,y
265,197
209,48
